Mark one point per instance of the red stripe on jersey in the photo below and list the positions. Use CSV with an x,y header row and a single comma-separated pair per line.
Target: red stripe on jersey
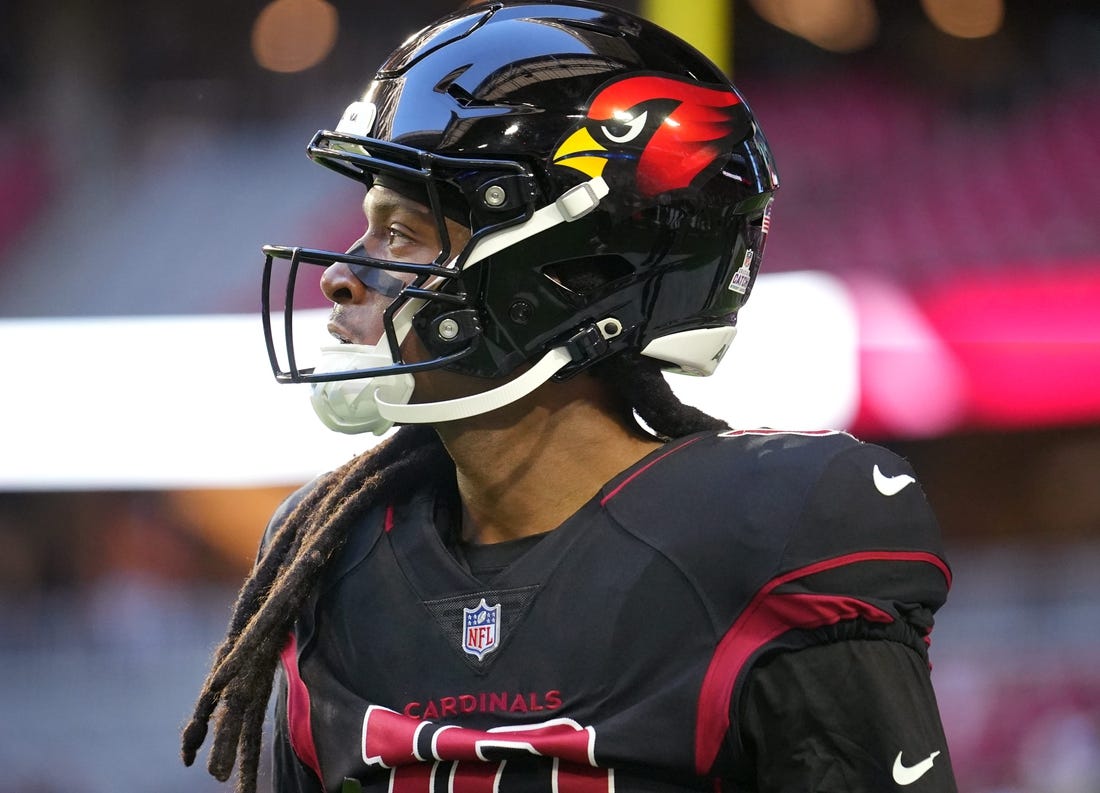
x,y
768,616
297,709
387,525
389,738
646,467
475,777
416,778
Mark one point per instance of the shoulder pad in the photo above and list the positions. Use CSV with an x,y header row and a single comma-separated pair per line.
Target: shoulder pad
x,y
736,510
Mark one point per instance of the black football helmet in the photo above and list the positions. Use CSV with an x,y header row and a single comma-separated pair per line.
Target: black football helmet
x,y
617,186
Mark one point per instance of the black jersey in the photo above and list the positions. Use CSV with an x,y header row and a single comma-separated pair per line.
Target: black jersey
x,y
741,610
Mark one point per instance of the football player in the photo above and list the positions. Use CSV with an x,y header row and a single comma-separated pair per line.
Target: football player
x,y
554,576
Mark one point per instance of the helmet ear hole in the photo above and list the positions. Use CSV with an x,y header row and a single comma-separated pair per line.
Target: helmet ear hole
x,y
587,275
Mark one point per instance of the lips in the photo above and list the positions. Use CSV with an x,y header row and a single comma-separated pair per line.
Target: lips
x,y
336,327
338,334
343,332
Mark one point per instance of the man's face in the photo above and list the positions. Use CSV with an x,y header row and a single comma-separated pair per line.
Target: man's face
x,y
398,229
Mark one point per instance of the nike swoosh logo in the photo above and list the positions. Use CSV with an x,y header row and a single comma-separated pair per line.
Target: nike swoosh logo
x,y
907,775
891,485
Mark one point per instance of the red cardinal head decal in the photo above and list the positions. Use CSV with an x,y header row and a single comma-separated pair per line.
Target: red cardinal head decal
x,y
659,132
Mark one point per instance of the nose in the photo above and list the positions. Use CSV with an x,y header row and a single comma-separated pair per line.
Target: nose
x,y
341,286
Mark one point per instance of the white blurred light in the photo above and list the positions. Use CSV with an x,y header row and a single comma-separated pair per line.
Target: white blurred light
x,y
189,402
794,364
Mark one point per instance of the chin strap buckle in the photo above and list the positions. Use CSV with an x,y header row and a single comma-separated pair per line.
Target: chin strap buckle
x,y
592,342
586,345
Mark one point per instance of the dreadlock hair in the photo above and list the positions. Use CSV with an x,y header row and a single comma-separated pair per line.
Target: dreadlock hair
x,y
644,392
237,688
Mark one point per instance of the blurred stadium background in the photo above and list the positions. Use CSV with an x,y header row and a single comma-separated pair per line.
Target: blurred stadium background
x,y
935,277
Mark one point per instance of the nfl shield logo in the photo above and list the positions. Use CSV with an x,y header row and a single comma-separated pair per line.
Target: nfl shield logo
x,y
481,629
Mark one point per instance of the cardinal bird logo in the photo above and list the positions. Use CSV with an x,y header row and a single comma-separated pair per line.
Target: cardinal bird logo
x,y
660,133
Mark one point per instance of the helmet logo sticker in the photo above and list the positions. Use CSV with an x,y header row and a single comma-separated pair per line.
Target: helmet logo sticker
x,y
481,629
743,276
358,119
659,133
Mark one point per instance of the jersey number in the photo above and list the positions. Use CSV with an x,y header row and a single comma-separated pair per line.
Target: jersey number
x,y
413,750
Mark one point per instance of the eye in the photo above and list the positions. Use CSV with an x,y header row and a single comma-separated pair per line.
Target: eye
x,y
625,131
395,237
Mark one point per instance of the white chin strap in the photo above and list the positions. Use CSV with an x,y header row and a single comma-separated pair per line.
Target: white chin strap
x,y
401,412
375,404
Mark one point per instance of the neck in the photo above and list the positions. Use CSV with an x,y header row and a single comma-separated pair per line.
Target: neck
x,y
524,469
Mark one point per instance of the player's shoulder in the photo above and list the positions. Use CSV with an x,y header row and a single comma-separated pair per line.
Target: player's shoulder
x,y
283,511
791,454
777,498
732,466
831,463
767,464
361,535
289,504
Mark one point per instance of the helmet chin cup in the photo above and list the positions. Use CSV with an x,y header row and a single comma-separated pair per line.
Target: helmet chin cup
x,y
350,406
